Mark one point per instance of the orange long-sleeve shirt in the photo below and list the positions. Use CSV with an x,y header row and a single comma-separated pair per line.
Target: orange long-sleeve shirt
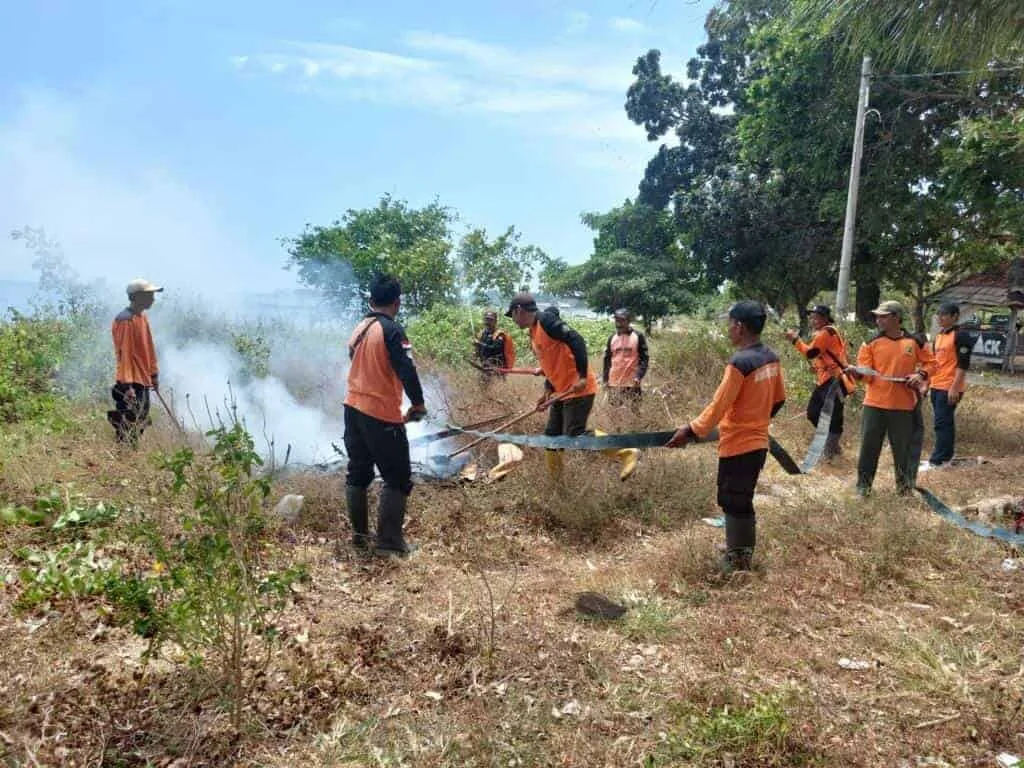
x,y
133,348
900,357
562,354
751,392
825,348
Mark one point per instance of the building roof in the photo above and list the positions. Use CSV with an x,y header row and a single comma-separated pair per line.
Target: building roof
x,y
983,289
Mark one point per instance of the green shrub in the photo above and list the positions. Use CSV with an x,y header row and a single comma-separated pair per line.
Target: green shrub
x,y
445,333
210,590
31,351
77,569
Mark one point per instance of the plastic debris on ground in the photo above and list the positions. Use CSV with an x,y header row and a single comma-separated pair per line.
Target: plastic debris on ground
x,y
856,665
289,506
509,457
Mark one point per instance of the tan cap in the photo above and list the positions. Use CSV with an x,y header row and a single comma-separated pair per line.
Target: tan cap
x,y
138,285
888,308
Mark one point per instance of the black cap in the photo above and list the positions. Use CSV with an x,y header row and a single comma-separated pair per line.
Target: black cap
x,y
522,301
821,309
747,311
489,314
622,313
949,308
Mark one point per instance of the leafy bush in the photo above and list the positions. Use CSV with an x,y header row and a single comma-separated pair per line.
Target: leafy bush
x,y
209,590
254,351
445,333
31,350
77,569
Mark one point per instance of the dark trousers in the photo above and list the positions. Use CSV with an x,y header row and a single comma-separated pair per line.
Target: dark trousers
x,y
945,427
904,430
737,479
631,396
130,416
569,417
817,402
369,442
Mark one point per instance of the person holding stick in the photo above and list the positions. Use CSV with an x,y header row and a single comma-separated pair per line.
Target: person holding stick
x,y
751,392
494,348
137,371
896,367
827,353
562,354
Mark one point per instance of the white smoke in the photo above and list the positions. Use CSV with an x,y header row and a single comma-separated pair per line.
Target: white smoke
x,y
205,382
118,220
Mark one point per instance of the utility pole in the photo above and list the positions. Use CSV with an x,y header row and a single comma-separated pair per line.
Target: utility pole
x,y
846,260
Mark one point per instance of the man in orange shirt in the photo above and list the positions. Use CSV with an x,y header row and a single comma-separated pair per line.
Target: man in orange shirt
x,y
896,366
562,355
137,370
827,353
952,349
381,367
751,392
625,362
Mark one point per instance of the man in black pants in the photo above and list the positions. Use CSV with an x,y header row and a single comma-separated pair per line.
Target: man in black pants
x,y
562,355
751,393
827,353
381,368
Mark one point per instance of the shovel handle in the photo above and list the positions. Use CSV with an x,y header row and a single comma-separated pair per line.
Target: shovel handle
x,y
169,411
504,426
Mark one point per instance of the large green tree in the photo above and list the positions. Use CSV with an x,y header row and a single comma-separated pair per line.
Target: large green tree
x,y
500,266
638,263
758,179
413,244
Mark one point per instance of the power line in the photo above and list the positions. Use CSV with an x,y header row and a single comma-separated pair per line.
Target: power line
x,y
989,70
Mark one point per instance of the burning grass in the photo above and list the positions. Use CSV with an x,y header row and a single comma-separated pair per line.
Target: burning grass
x,y
470,653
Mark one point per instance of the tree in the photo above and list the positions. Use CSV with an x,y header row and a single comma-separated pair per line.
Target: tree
x,y
558,278
939,33
413,244
650,288
758,182
637,263
502,266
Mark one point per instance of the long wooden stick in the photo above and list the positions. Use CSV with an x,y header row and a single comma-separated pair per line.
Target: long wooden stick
x,y
506,425
167,408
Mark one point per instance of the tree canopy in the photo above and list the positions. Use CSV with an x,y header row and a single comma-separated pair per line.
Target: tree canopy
x,y
757,171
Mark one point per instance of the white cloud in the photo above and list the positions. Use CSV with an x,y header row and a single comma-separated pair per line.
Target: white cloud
x,y
116,219
571,92
625,24
584,67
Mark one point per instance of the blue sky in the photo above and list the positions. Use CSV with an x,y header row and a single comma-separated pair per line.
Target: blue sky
x,y
179,139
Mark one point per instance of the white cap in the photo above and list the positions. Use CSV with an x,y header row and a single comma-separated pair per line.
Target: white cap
x,y
138,285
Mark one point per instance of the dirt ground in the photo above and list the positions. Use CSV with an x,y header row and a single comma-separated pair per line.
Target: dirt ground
x,y
871,632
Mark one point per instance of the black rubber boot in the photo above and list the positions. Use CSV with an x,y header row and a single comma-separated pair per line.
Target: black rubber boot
x,y
740,537
832,447
358,516
390,518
